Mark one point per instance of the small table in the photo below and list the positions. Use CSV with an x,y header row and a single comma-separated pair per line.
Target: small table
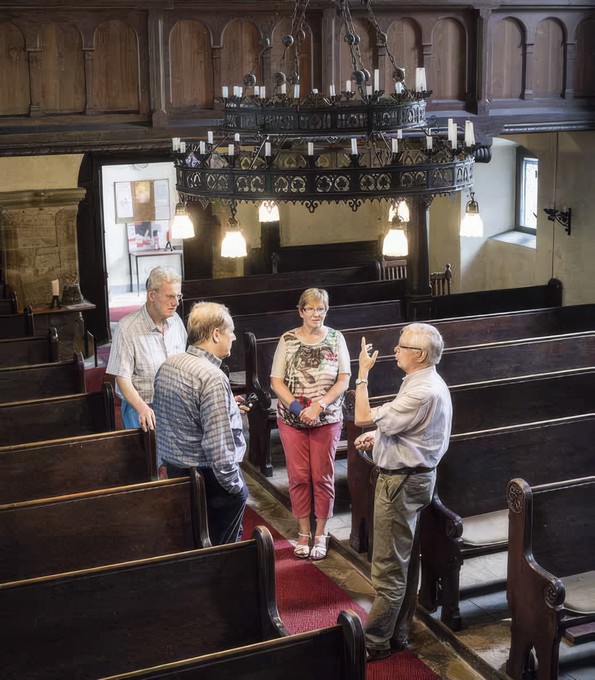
x,y
151,253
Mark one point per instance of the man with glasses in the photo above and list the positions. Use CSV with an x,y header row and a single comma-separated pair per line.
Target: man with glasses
x,y
142,342
411,436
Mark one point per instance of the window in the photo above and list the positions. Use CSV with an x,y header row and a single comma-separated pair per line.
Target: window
x,y
526,191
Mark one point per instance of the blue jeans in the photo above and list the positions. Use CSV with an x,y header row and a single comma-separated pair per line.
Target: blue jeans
x,y
130,417
224,511
395,559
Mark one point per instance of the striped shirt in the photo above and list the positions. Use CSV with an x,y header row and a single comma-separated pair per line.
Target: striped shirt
x,y
139,348
199,423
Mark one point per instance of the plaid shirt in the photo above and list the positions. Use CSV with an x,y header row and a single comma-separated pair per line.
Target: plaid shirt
x,y
139,348
198,421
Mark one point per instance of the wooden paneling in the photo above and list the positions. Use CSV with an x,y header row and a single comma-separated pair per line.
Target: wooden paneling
x,y
61,69
115,68
14,71
191,66
404,42
239,54
507,60
585,58
448,66
548,60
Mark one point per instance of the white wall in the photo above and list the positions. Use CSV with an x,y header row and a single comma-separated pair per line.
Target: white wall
x,y
115,235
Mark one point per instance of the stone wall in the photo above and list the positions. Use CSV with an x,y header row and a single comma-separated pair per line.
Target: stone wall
x,y
38,238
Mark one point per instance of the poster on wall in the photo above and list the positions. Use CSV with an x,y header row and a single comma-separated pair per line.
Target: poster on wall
x,y
124,208
161,198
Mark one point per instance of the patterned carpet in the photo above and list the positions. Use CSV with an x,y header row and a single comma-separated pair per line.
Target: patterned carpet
x,y
308,599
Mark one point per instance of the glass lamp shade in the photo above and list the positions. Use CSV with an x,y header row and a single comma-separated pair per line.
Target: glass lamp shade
x,y
472,224
182,226
395,243
268,212
234,244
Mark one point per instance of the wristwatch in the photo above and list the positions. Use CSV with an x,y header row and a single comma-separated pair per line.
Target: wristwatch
x,y
361,381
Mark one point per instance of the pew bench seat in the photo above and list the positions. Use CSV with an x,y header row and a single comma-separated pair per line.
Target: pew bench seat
x,y
487,529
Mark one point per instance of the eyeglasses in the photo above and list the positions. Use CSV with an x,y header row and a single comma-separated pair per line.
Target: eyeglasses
x,y
170,298
311,310
416,349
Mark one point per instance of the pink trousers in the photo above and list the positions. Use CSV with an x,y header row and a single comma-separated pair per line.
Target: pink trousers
x,y
310,456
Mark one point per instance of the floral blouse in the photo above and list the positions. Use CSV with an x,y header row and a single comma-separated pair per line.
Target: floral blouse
x,y
309,371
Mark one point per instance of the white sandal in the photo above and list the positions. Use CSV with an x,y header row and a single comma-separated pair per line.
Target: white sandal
x,y
320,547
302,550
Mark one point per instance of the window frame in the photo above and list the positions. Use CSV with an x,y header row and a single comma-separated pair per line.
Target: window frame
x,y
522,156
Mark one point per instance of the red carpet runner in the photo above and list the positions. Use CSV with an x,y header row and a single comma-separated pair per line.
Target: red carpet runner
x,y
308,599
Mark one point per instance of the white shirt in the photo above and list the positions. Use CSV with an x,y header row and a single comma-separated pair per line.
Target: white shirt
x,y
414,428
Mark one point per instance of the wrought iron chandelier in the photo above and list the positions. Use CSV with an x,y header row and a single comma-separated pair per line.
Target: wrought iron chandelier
x,y
359,144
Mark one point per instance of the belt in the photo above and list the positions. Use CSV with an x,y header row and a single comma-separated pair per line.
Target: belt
x,y
404,470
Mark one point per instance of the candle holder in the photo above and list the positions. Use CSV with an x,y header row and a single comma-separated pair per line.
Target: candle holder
x,y
55,303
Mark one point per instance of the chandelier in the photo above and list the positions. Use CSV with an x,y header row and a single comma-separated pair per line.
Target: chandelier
x,y
352,144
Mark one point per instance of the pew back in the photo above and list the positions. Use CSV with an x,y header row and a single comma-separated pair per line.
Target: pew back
x,y
319,278
17,325
39,381
29,350
39,537
58,417
113,619
67,466
336,652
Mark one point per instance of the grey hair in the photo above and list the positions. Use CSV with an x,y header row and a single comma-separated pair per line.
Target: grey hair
x,y
160,275
204,318
311,294
426,337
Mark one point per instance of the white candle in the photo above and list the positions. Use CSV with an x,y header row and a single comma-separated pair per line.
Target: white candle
x,y
376,80
210,136
310,148
469,133
420,79
230,150
225,91
56,287
257,91
175,143
296,91
369,90
332,90
182,147
353,146
236,137
202,147
348,86
398,87
429,142
284,89
394,145
399,134
267,148
314,91
263,91
240,90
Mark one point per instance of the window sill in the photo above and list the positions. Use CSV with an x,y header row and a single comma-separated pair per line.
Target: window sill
x,y
518,238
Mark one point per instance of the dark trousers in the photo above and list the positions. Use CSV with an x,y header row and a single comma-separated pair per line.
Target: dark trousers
x,y
225,512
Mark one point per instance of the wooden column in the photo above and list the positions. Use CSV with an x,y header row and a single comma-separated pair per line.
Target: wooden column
x,y
418,291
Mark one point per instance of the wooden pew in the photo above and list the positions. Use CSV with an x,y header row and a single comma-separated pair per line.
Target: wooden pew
x,y
40,381
17,325
58,417
266,301
336,652
29,350
551,568
467,516
118,618
272,324
80,531
76,464
459,365
476,407
320,278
